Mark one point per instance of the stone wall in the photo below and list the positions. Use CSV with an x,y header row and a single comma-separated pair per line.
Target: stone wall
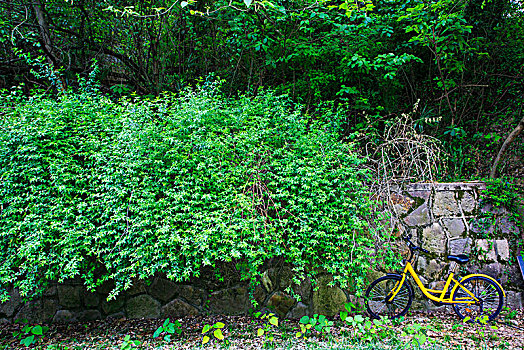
x,y
443,218
448,218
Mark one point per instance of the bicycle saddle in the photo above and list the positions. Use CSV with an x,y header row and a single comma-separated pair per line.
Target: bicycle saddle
x,y
461,258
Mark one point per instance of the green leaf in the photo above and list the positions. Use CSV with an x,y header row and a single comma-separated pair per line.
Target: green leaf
x,y
206,328
184,3
421,339
260,332
28,340
166,322
304,319
205,339
274,321
219,325
158,332
37,330
248,2
343,315
218,334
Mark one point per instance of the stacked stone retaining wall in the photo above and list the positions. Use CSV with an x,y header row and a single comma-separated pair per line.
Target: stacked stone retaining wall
x,y
443,218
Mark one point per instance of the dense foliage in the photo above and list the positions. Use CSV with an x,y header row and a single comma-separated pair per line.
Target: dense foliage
x,y
101,190
373,59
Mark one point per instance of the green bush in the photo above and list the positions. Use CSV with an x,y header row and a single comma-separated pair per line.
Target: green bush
x,y
107,190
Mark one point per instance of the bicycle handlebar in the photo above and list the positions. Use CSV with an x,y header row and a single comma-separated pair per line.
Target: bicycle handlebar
x,y
412,246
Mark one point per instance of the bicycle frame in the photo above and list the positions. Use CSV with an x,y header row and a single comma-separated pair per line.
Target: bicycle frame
x,y
427,292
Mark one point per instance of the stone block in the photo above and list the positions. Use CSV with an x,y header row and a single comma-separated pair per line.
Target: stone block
x,y
89,315
49,307
143,306
371,275
507,227
435,269
91,299
231,301
423,193
138,287
267,282
9,307
434,239
50,291
64,316
260,295
468,203
285,277
454,227
162,289
328,300
418,217
502,249
69,296
112,306
299,311
30,311
437,285
177,309
445,204
281,303
422,264
304,290
191,294
494,270
401,204
117,315
486,250
512,276
106,287
514,300
459,246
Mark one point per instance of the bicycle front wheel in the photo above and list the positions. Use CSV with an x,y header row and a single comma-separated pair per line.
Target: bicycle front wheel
x,y
490,299
378,293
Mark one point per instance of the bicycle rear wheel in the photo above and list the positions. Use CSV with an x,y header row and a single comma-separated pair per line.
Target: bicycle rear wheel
x,y
488,292
377,295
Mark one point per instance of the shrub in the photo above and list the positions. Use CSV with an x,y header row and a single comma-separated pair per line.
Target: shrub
x,y
107,190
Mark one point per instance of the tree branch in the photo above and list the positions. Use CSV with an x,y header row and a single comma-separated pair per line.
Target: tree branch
x,y
512,136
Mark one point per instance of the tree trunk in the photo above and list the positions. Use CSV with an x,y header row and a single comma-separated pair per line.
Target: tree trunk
x,y
44,31
512,136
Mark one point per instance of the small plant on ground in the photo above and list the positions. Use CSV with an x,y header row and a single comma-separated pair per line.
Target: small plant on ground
x,y
57,347
509,313
217,333
417,333
318,322
479,323
30,335
366,329
270,321
129,344
167,329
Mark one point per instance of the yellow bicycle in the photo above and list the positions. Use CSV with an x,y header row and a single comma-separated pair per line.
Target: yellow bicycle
x,y
477,296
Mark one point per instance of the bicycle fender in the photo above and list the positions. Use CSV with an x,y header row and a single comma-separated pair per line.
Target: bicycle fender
x,y
394,274
485,276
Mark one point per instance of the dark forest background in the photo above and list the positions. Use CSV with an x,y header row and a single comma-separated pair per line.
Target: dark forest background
x,y
455,66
